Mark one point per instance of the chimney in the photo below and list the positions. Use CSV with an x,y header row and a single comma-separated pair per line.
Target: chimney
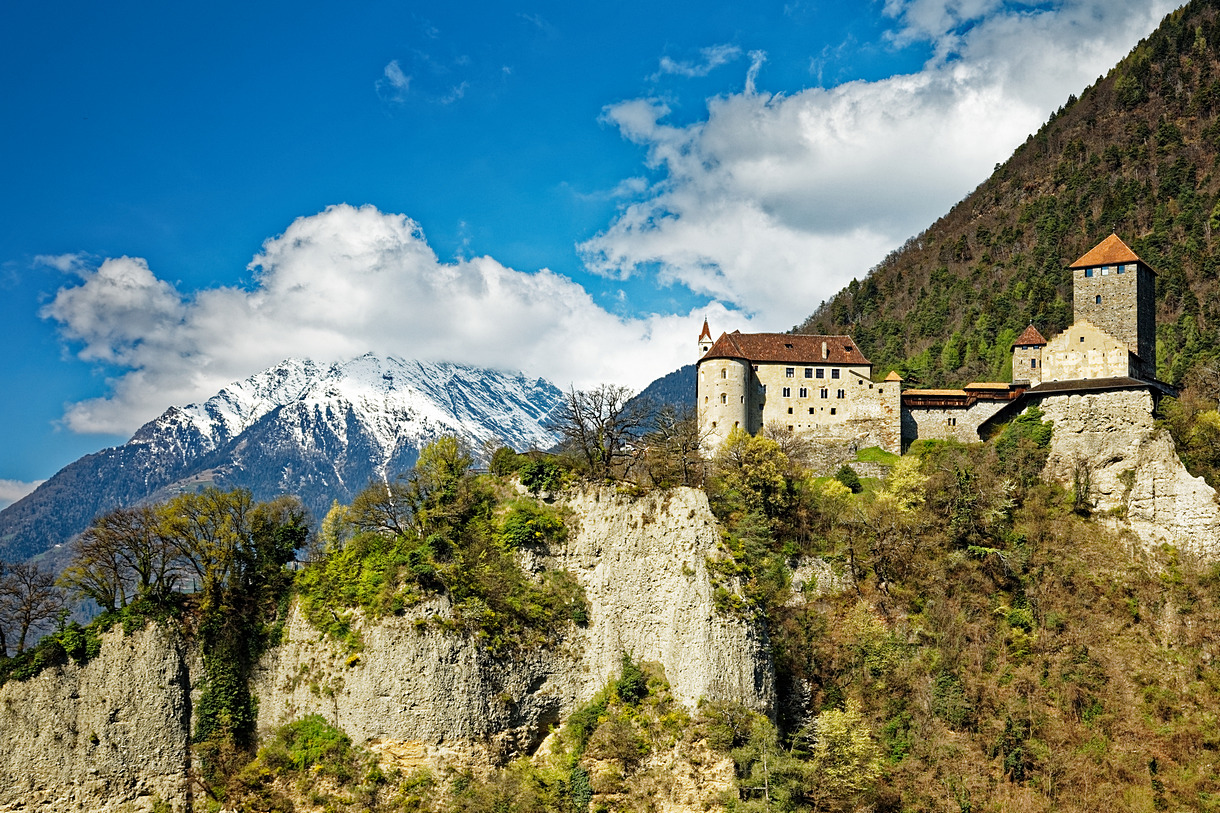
x,y
825,351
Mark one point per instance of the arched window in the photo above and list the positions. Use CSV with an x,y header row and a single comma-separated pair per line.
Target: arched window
x,y
1097,299
724,398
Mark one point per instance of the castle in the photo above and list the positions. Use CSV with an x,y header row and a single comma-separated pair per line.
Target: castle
x,y
823,386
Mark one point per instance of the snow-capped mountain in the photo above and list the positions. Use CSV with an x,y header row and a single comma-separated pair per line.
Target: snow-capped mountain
x,y
320,432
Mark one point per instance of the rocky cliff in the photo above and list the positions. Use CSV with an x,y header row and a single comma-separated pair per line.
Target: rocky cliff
x,y
420,695
1133,467
109,735
115,731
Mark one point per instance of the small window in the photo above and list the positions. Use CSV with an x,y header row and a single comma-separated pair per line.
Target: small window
x,y
791,427
1105,270
1033,364
810,410
1088,272
789,410
705,399
1122,268
832,410
1097,299
743,399
713,424
1082,338
821,373
736,424
724,398
880,390
789,372
808,372
842,394
834,373
787,392
804,392
788,346
724,373
825,393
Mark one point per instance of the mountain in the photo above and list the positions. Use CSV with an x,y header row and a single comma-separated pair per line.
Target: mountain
x,y
320,432
676,389
1135,154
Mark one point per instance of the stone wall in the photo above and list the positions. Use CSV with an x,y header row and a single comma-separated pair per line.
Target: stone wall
x,y
107,736
1085,351
949,423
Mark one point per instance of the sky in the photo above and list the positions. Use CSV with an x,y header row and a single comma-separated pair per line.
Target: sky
x,y
194,192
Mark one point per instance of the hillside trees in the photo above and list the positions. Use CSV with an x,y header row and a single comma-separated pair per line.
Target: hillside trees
x,y
28,601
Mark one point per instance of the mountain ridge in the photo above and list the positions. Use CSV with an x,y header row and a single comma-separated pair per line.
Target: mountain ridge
x,y
321,431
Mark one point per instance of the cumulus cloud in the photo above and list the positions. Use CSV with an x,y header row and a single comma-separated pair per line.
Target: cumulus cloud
x,y
709,59
338,284
773,202
13,490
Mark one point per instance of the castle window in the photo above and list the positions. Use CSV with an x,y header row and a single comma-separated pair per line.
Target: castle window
x,y
743,399
834,373
790,427
705,399
808,372
1097,299
842,394
804,392
825,393
789,372
789,410
713,424
1121,269
821,373
1082,338
736,424
810,410
1105,270
1088,272
880,390
787,392
1033,363
724,373
832,410
724,398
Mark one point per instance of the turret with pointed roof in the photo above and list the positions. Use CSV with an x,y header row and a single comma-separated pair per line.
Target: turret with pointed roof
x,y
705,339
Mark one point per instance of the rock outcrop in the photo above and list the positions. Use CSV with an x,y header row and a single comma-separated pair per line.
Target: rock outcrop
x,y
1133,467
110,735
419,695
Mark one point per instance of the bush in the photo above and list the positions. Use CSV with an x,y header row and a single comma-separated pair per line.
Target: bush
x,y
848,477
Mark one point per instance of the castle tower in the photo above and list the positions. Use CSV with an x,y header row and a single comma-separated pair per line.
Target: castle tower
x,y
705,340
1116,291
1027,357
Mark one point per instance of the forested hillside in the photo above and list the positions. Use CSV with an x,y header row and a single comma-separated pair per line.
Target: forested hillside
x,y
1137,153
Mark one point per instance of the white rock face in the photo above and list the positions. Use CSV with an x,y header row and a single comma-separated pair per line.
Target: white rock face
x,y
417,691
1134,466
98,737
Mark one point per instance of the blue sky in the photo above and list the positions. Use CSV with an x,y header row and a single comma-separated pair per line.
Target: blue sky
x,y
195,191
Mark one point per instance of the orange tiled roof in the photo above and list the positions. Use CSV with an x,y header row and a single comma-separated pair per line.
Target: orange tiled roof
x,y
893,376
786,347
1108,252
1030,336
988,385
706,334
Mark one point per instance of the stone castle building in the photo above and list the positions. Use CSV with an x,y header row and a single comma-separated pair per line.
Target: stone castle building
x,y
823,385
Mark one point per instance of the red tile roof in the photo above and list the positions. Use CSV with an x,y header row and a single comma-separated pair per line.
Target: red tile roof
x,y
893,376
1108,252
1030,336
786,347
707,333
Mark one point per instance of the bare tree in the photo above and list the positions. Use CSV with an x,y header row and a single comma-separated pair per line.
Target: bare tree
x,y
30,599
122,554
675,447
601,425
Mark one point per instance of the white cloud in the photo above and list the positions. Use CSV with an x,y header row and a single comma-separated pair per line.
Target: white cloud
x,y
773,202
394,84
13,490
709,59
340,283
